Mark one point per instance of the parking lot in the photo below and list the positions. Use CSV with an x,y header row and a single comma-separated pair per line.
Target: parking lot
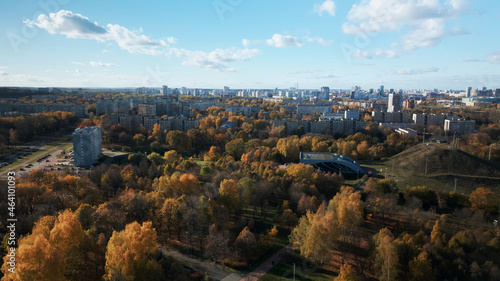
x,y
30,158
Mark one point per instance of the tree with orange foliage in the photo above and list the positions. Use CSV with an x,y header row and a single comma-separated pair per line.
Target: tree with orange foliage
x,y
177,185
212,155
55,250
131,253
484,199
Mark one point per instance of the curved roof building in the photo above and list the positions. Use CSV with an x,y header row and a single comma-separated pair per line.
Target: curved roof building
x,y
332,162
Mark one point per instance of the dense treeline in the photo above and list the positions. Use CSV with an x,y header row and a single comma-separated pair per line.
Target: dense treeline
x,y
250,135
21,129
212,209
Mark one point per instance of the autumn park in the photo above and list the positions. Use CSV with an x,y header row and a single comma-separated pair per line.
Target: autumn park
x,y
230,197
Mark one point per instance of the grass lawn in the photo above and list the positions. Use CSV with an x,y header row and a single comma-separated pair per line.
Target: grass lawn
x,y
285,272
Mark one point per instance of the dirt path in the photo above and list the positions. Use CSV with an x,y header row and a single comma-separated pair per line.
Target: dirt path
x,y
214,271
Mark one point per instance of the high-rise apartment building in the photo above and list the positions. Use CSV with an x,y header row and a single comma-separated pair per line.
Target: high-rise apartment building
x,y
87,146
325,93
395,102
468,92
165,90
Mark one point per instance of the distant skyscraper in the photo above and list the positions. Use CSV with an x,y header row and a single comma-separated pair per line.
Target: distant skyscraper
x,y
382,90
468,92
325,93
474,93
165,90
395,101
87,146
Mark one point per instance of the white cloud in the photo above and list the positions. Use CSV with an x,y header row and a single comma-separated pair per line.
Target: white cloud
x,y
424,20
77,63
247,42
411,71
459,4
361,54
74,25
284,41
390,54
3,67
101,64
319,40
494,58
105,51
217,59
3,73
328,6
470,59
172,40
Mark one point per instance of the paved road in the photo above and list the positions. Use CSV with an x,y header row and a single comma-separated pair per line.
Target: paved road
x,y
214,271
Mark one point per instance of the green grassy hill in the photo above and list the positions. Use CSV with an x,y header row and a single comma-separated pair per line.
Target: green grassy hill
x,y
444,160
444,164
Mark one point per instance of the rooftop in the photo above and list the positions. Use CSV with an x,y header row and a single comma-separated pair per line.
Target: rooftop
x,y
322,156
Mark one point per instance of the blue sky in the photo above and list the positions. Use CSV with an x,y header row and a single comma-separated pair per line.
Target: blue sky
x,y
411,44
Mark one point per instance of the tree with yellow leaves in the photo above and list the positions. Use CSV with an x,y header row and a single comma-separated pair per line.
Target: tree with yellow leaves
x,y
347,273
386,256
315,235
229,195
347,209
54,250
131,253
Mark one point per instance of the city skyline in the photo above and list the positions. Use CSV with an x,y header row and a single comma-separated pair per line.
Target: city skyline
x,y
412,45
